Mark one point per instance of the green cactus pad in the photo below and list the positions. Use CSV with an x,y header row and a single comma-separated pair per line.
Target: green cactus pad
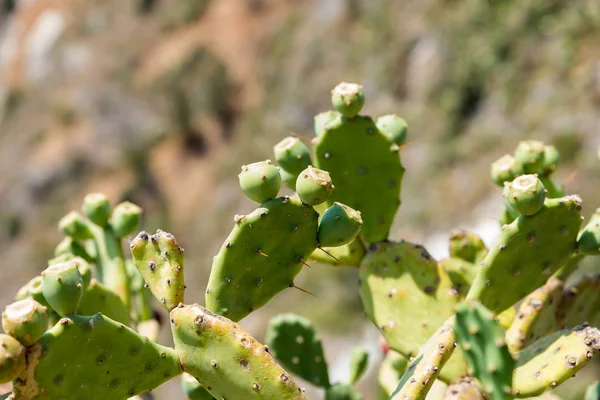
x,y
314,186
393,127
261,257
530,155
260,181
391,370
405,294
323,120
466,388
294,343
348,99
527,252
159,259
97,208
12,358
505,169
62,285
226,360
553,359
581,302
125,218
423,371
350,254
593,392
536,316
70,246
97,298
73,225
525,194
482,340
588,241
467,246
359,360
105,359
292,155
365,166
339,225
25,320
193,389
342,391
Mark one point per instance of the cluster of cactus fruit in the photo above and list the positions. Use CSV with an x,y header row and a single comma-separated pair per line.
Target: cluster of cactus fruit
x,y
497,323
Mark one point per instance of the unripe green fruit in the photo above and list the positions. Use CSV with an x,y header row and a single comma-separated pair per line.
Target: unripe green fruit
x,y
505,169
589,237
82,265
314,186
339,225
97,208
393,127
125,218
348,99
193,389
75,226
33,289
530,155
525,195
62,285
551,160
12,358
292,155
70,246
323,120
260,181
25,320
288,179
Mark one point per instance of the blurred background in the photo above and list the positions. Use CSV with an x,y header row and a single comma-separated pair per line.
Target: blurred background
x,y
161,101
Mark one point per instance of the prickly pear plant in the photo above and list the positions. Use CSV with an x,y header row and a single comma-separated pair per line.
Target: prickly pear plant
x,y
490,322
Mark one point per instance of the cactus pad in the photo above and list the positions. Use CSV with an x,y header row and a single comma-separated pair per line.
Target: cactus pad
x,y
261,256
193,389
482,340
105,357
466,388
588,241
226,360
294,343
350,254
97,298
406,294
527,252
359,360
159,259
365,166
342,391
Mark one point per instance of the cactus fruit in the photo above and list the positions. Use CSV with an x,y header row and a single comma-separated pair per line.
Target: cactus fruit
x,y
294,343
364,164
525,194
513,267
342,391
25,320
97,208
97,298
348,99
339,225
260,181
536,315
314,186
226,360
12,358
62,285
74,226
467,246
482,339
159,259
530,154
553,359
70,246
104,357
125,218
292,155
193,389
466,388
588,241
288,179
323,120
406,294
261,257
393,127
359,359
83,266
33,289
505,169
422,372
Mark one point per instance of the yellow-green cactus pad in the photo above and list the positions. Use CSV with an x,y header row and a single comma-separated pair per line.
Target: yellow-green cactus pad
x,y
97,298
